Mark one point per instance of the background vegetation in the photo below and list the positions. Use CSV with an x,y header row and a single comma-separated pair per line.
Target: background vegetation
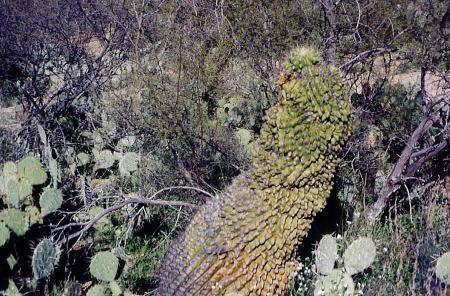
x,y
140,110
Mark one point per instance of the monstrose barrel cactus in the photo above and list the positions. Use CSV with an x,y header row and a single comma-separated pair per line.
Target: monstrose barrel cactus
x,y
244,242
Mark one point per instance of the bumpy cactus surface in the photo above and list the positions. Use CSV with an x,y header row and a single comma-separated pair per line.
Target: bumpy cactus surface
x,y
244,242
45,258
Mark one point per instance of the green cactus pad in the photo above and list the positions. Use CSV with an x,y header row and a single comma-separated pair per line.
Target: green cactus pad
x,y
12,192
15,220
443,268
128,163
359,255
50,200
9,168
125,142
115,288
25,189
96,290
33,215
30,168
4,234
337,283
104,159
104,266
83,159
3,181
11,260
45,258
326,255
12,289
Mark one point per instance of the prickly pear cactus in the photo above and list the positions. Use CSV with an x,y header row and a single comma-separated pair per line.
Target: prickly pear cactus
x,y
443,268
83,159
337,283
359,255
115,288
4,234
12,191
96,290
103,159
15,219
50,200
12,289
244,241
128,163
30,168
9,168
326,254
104,266
45,258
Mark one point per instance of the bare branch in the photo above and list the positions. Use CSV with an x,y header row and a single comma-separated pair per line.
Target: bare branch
x,y
407,165
130,199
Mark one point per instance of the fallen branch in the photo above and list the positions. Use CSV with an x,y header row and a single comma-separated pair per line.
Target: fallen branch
x,y
129,199
409,161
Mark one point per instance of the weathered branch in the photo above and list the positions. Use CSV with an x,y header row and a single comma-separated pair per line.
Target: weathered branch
x,y
407,164
130,199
